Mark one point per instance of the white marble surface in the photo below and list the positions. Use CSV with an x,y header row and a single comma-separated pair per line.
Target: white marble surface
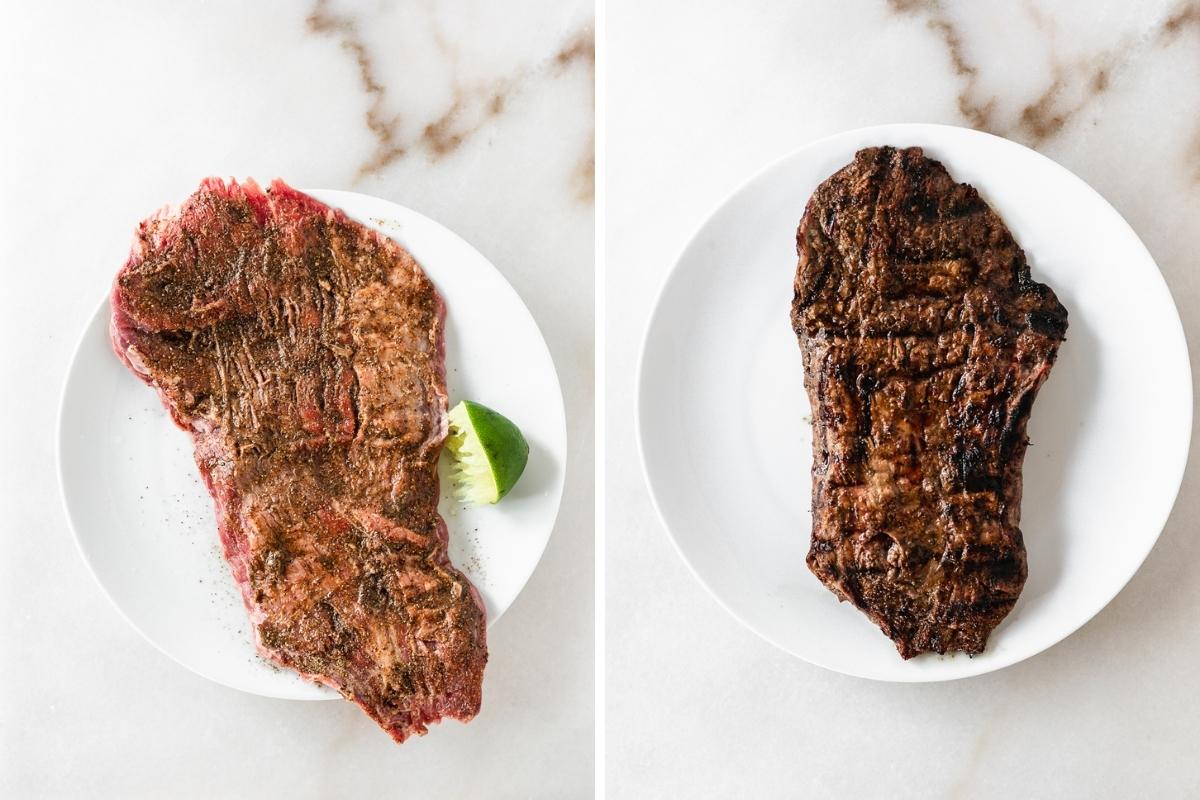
x,y
698,706
475,113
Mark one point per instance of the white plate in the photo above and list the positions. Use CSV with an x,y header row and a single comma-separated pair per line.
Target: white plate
x,y
145,523
726,445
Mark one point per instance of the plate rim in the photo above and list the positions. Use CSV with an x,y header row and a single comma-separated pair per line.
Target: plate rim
x,y
639,396
327,693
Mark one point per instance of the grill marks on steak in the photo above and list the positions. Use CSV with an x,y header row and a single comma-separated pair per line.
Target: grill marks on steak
x,y
924,342
304,354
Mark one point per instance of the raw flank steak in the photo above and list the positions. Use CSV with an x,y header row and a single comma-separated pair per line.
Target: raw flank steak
x,y
303,353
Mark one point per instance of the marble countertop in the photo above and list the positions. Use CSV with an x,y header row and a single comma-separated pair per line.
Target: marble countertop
x,y
698,706
474,113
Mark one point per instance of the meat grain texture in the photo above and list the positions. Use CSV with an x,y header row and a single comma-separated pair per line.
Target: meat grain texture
x,y
924,342
304,355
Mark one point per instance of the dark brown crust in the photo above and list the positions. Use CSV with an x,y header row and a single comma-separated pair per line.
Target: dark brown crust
x,y
924,341
304,354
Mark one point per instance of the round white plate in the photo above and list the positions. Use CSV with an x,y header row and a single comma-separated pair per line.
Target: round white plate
x,y
727,445
145,523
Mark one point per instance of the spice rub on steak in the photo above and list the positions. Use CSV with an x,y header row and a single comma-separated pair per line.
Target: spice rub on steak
x,y
924,342
304,355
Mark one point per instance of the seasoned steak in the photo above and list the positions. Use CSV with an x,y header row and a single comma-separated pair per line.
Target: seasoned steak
x,y
303,353
924,342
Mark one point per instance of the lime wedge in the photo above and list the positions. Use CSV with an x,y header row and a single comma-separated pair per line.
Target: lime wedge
x,y
489,453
